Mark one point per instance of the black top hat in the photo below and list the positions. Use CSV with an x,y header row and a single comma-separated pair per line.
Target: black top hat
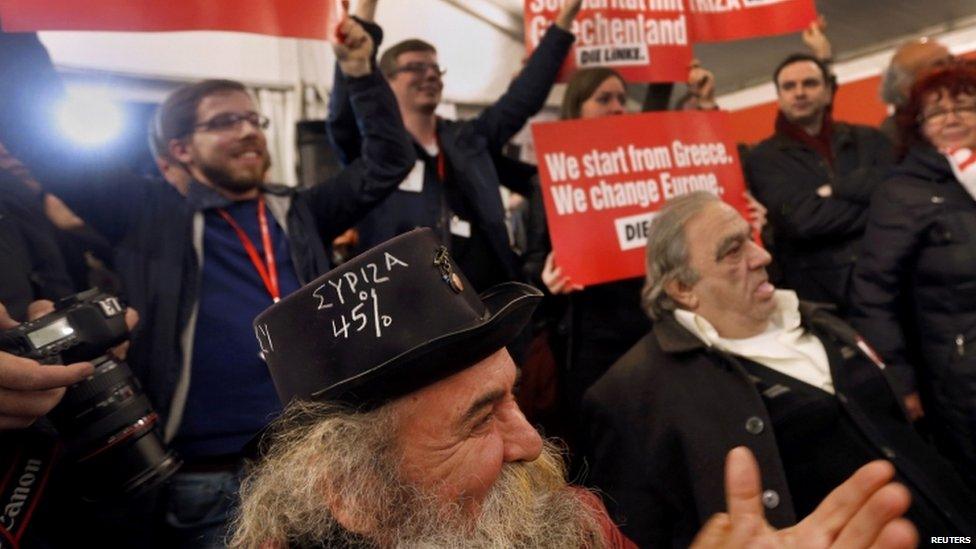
x,y
391,320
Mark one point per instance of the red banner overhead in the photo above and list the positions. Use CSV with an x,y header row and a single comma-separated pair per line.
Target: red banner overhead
x,y
643,41
315,19
603,180
724,20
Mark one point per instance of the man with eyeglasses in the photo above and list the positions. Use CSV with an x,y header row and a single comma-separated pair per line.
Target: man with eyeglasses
x,y
200,265
454,187
815,176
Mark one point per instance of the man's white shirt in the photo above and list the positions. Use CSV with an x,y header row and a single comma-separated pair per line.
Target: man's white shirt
x,y
785,346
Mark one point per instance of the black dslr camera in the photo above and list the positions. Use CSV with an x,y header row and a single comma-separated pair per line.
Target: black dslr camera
x,y
106,422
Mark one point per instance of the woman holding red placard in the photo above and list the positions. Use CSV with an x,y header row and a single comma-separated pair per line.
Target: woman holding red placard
x,y
598,323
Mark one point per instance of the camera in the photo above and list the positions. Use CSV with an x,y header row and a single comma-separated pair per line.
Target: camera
x,y
106,422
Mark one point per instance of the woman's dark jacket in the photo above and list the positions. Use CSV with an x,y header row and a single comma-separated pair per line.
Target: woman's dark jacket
x,y
914,293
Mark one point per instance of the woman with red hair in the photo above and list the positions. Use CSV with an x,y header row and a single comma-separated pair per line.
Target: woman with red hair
x,y
914,291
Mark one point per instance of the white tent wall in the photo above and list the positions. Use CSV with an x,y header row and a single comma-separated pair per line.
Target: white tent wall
x,y
477,41
290,77
959,41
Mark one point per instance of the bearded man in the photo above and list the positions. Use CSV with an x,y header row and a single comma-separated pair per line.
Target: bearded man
x,y
199,261
403,430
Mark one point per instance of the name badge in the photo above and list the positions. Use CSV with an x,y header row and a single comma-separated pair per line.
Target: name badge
x,y
460,227
414,183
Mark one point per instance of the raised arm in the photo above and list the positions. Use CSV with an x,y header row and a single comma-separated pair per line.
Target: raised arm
x,y
527,93
344,133
387,150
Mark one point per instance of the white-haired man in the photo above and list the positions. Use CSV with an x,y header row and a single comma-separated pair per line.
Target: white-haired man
x,y
403,428
730,362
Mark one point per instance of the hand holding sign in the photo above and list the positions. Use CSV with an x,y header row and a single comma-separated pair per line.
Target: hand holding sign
x,y
701,84
567,14
816,40
355,51
555,281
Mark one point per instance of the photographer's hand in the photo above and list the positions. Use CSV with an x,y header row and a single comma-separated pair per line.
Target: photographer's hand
x,y
29,389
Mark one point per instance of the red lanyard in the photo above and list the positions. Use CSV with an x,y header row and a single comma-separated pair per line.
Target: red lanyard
x,y
441,167
267,269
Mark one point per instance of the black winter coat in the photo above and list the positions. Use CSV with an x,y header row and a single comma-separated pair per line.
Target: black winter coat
x,y
663,418
914,294
817,240
472,149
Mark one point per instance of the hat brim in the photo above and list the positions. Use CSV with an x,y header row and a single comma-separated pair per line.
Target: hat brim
x,y
508,310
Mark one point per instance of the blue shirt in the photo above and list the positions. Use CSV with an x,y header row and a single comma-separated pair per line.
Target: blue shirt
x,y
231,394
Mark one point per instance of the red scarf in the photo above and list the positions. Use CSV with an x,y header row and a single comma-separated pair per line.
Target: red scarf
x,y
819,143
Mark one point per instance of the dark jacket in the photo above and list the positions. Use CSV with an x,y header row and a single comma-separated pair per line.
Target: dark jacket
x,y
31,264
666,414
472,149
817,240
157,235
914,293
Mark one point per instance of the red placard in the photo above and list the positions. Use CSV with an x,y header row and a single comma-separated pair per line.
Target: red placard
x,y
603,179
643,41
724,20
293,18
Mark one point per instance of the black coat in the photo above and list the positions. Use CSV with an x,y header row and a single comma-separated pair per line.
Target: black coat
x,y
817,240
31,265
472,149
663,418
914,293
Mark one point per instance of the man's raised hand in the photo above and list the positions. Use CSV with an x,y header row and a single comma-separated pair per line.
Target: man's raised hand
x,y
863,512
355,52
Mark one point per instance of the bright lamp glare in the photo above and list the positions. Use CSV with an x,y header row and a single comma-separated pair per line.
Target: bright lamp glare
x,y
89,119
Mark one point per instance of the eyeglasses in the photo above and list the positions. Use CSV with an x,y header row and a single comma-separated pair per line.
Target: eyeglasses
x,y
940,116
420,68
232,120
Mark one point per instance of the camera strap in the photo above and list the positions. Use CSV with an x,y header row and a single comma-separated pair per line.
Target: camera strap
x,y
267,269
25,466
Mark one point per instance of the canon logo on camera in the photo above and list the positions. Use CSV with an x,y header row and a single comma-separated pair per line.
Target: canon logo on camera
x,y
14,501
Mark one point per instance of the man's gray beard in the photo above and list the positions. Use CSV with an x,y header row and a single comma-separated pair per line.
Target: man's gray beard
x,y
351,455
530,505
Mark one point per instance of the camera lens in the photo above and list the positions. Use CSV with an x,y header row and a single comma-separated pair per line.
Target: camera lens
x,y
111,431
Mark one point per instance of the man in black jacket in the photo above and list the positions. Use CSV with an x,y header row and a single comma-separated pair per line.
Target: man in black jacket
x,y
816,177
732,362
454,187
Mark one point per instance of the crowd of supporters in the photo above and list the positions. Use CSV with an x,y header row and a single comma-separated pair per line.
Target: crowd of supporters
x,y
847,336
